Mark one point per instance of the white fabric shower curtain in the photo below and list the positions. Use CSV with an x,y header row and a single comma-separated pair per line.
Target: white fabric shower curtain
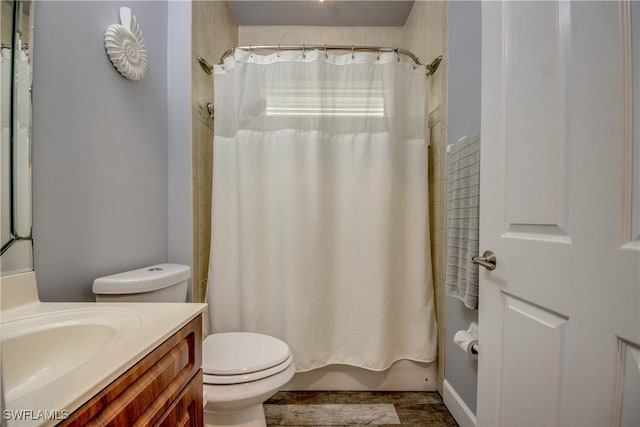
x,y
320,230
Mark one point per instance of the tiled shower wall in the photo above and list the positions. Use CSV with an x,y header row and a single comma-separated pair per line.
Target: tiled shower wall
x,y
426,35
214,30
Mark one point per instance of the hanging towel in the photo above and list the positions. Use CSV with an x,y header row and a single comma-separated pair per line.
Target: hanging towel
x,y
463,217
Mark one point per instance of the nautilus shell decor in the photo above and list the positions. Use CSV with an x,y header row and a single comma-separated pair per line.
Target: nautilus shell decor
x,y
125,46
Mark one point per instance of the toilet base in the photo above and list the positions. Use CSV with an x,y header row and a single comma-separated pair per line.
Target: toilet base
x,y
240,405
253,416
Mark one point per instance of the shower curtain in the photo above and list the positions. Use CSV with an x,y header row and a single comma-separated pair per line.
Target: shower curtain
x,y
320,230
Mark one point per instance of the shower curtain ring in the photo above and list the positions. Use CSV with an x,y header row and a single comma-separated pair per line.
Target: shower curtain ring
x,y
325,52
250,52
303,51
379,53
353,55
278,51
398,54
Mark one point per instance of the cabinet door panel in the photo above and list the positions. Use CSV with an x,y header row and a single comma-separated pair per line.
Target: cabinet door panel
x,y
187,409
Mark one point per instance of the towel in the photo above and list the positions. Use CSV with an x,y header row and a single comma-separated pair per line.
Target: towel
x,y
463,217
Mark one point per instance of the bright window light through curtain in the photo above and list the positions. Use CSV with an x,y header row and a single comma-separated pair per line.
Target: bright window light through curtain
x,y
321,101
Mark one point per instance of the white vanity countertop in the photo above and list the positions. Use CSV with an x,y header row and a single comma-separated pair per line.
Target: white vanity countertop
x,y
121,334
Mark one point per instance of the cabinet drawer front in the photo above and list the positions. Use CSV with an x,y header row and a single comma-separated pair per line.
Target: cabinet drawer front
x,y
136,399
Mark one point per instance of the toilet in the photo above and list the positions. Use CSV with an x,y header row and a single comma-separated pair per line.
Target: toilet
x,y
240,369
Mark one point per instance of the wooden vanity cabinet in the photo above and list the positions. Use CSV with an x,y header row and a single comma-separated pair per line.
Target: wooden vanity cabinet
x,y
163,389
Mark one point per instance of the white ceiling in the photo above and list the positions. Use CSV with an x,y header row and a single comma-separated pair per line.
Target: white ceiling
x,y
325,13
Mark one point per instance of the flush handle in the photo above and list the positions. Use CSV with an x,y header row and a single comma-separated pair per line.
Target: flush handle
x,y
487,260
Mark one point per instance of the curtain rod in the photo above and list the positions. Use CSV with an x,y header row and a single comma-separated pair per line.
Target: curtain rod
x,y
431,68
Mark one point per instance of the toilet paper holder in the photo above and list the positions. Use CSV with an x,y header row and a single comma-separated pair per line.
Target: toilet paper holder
x,y
467,341
475,349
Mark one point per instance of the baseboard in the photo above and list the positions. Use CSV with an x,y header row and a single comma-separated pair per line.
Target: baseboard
x,y
460,411
404,375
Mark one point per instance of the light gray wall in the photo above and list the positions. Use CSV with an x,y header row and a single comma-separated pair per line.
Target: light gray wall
x,y
100,157
331,13
179,133
463,119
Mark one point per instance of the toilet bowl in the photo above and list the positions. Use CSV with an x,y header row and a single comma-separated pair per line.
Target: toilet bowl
x,y
240,369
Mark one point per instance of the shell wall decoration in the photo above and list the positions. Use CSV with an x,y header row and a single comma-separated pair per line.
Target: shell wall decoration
x,y
125,46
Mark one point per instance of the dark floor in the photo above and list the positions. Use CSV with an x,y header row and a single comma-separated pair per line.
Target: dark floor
x,y
353,408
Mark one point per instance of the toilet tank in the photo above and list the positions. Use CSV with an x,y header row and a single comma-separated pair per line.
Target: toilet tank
x,y
156,283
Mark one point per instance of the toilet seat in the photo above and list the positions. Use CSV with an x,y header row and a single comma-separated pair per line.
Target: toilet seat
x,y
248,377
238,357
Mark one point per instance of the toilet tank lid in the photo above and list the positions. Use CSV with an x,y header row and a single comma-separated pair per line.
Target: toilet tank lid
x,y
145,279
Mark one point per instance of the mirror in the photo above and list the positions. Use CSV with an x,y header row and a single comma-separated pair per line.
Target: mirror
x,y
16,32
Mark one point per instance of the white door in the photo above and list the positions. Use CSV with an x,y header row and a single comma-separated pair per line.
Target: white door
x,y
559,316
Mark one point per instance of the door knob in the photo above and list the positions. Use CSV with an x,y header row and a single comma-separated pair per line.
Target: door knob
x,y
487,260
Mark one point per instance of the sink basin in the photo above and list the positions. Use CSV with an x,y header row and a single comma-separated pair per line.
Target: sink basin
x,y
38,350
36,358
